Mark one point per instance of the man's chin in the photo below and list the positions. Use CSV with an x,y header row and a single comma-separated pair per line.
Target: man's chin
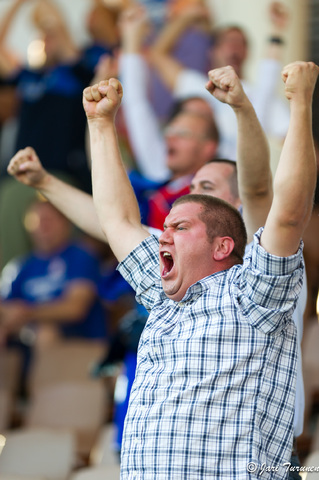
x,y
173,166
172,292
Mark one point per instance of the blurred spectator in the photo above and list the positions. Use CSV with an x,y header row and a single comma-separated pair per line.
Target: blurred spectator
x,y
229,47
190,139
55,76
191,49
50,116
121,355
51,293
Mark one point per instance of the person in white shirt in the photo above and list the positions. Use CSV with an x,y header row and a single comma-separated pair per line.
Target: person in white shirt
x,y
229,47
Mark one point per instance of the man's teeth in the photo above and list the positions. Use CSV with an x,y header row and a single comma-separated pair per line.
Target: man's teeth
x,y
166,254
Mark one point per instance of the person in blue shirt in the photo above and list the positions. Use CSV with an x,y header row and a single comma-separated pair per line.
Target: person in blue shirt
x,y
52,293
57,283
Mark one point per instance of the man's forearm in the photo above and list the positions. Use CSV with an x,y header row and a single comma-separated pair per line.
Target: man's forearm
x,y
161,57
170,34
253,154
296,174
113,195
70,307
254,172
75,204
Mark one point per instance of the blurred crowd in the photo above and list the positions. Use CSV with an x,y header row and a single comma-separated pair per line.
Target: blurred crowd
x,y
61,284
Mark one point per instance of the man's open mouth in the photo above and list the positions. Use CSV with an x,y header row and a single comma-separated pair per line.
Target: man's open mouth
x,y
167,262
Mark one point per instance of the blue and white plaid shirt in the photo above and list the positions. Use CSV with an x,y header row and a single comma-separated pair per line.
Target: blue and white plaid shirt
x,y
214,392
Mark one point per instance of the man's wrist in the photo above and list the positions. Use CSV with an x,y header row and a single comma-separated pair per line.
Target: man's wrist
x,y
99,127
100,122
43,183
243,107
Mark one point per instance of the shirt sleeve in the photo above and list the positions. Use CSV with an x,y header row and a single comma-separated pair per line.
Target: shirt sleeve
x,y
143,126
10,280
141,270
269,287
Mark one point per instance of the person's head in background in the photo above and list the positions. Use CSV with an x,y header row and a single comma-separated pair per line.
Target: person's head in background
x,y
230,47
191,140
49,230
191,136
192,104
217,178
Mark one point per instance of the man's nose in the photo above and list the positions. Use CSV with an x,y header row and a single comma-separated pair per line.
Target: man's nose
x,y
166,237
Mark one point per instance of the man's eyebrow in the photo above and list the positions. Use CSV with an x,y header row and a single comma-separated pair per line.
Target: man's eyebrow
x,y
203,182
210,182
178,222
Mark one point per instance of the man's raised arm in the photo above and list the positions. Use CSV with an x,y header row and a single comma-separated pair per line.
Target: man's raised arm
x,y
113,196
253,162
296,174
75,204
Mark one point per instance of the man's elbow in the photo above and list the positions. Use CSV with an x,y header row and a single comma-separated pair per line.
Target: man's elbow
x,y
260,194
297,218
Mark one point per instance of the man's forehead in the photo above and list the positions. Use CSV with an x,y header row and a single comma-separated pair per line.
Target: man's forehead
x,y
189,117
211,170
183,211
231,33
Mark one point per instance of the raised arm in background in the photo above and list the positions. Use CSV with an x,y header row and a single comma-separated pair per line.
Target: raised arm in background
x,y
9,61
114,198
253,158
45,16
143,126
169,68
75,204
161,55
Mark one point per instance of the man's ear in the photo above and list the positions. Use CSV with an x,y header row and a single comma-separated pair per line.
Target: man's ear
x,y
223,247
